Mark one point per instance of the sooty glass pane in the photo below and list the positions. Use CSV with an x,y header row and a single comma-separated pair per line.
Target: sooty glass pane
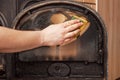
x,y
83,49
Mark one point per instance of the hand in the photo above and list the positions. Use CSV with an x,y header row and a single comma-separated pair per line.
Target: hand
x,y
61,34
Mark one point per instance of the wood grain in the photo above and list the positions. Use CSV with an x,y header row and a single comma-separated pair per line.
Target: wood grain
x,y
109,10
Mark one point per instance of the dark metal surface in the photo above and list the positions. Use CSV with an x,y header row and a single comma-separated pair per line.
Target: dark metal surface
x,y
117,79
7,12
58,78
90,48
89,61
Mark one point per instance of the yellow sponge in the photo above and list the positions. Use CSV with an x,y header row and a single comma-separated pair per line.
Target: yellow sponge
x,y
85,25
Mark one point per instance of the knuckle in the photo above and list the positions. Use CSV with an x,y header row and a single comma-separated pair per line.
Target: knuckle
x,y
64,32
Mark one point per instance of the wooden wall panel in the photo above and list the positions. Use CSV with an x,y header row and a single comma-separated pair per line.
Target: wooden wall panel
x,y
110,12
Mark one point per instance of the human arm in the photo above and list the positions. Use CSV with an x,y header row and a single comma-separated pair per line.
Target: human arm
x,y
58,34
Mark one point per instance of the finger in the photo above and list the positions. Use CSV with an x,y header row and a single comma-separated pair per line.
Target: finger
x,y
72,34
71,22
67,41
73,27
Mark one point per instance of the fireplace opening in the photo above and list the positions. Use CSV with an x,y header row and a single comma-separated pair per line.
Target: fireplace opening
x,y
85,58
